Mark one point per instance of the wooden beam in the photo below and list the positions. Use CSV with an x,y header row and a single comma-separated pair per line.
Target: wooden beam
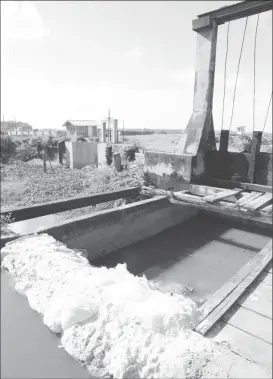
x,y
260,202
255,150
245,186
200,190
224,138
228,294
237,11
225,209
267,209
52,207
249,197
221,195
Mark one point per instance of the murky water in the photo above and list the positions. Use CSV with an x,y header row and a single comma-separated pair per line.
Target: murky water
x,y
201,254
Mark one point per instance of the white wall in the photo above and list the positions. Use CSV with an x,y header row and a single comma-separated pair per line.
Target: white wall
x,y
81,154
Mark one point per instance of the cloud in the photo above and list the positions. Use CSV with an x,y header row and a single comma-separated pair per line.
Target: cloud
x,y
21,22
134,54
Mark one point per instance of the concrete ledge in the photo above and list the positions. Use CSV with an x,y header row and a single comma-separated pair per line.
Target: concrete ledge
x,y
52,207
167,170
112,229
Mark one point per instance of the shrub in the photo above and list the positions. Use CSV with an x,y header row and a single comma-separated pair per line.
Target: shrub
x,y
130,151
8,148
26,152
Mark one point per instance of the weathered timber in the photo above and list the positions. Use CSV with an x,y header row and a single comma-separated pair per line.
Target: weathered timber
x,y
228,294
250,322
237,11
224,137
246,186
200,190
266,278
255,149
221,195
52,207
248,197
260,202
267,209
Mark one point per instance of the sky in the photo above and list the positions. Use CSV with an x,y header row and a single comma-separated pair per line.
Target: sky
x,y
65,60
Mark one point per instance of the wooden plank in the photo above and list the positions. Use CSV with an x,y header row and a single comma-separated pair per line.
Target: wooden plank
x,y
250,322
200,190
269,268
267,209
246,186
229,293
221,195
258,300
255,149
242,343
52,207
259,202
239,10
266,278
249,197
224,209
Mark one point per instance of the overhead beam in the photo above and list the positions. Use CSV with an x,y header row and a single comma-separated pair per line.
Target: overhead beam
x,y
231,13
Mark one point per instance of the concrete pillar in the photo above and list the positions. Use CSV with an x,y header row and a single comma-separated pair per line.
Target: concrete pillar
x,y
199,134
103,132
115,132
95,131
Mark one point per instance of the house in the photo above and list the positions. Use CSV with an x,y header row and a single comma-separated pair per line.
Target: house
x,y
83,128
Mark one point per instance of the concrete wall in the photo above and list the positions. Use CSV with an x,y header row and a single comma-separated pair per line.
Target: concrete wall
x,y
223,165
101,146
166,170
81,154
109,230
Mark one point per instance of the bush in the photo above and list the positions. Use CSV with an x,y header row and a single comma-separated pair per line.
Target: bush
x,y
130,152
8,148
26,152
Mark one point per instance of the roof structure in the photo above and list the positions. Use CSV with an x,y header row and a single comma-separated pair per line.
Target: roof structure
x,y
82,123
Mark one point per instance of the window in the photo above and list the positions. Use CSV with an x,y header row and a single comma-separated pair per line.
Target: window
x,y
81,128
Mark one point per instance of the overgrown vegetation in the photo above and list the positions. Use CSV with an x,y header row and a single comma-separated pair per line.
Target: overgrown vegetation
x,y
25,184
28,149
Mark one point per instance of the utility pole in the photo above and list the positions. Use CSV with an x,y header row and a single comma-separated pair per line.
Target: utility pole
x,y
109,126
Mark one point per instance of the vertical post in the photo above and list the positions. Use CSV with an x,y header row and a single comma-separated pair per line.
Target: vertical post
x,y
255,150
117,161
44,160
224,140
115,131
103,135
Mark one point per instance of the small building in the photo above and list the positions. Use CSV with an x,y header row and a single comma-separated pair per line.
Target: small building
x,y
240,129
82,128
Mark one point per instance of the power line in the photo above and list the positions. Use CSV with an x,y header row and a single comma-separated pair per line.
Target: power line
x,y
267,112
254,79
234,93
225,77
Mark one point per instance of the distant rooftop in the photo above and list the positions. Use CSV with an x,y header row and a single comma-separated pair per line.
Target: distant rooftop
x,y
82,123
